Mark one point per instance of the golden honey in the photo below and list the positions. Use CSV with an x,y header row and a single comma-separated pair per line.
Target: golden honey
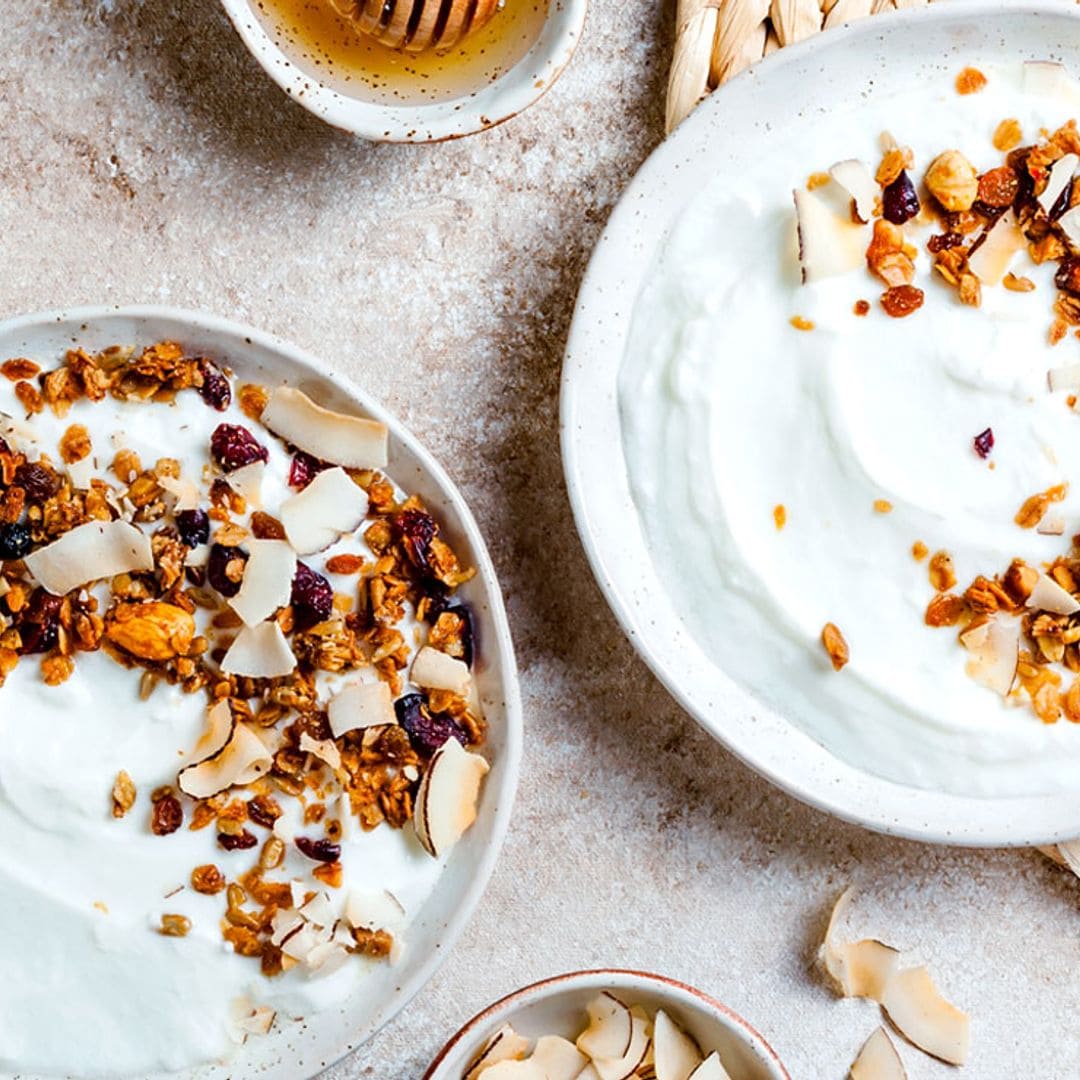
x,y
329,48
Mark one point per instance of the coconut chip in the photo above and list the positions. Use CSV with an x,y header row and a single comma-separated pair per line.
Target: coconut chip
x,y
857,180
261,652
88,553
1061,173
185,494
267,581
1048,595
231,753
994,645
330,506
330,436
361,705
324,749
435,670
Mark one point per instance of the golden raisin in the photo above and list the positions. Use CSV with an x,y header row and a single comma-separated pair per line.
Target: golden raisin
x,y
902,300
779,515
942,574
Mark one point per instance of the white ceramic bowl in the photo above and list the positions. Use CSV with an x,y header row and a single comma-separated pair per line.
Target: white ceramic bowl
x,y
305,1049
557,1007
485,106
870,57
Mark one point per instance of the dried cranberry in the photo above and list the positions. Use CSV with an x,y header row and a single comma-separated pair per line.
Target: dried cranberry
x,y
304,469
240,842
943,241
984,442
40,622
319,850
216,566
1067,277
986,210
899,200
263,810
215,389
193,526
14,540
167,817
37,480
427,731
195,575
1017,160
312,597
901,300
417,531
234,446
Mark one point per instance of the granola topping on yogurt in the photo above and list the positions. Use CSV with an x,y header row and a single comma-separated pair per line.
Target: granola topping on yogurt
x,y
240,713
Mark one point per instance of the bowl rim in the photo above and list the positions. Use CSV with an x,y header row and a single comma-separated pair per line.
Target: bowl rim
x,y
502,99
509,761
616,978
878,804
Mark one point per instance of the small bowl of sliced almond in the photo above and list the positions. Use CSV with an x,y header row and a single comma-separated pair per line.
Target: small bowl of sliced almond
x,y
607,1025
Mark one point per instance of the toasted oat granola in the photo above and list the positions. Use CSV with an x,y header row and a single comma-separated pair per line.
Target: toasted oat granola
x,y
199,533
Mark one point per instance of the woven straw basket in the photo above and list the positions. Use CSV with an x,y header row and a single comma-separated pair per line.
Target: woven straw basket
x,y
716,39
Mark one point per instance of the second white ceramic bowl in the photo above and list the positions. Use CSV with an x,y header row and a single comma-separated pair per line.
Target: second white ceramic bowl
x,y
556,1006
419,122
878,56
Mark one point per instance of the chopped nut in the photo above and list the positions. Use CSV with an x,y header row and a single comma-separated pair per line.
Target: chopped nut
x,y
207,879
272,854
887,256
946,609
1008,135
329,874
835,645
952,180
56,669
893,162
942,574
175,925
1031,513
123,794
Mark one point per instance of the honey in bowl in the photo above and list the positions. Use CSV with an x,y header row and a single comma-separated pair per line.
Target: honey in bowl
x,y
332,50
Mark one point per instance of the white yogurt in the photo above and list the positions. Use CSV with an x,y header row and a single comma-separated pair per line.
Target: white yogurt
x,y
728,411
89,987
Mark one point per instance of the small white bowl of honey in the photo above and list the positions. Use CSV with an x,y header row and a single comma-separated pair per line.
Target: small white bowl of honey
x,y
411,70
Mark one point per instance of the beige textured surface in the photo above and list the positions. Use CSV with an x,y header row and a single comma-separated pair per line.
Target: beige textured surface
x,y
143,157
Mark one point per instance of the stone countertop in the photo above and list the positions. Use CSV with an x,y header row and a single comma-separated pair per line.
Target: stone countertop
x,y
145,157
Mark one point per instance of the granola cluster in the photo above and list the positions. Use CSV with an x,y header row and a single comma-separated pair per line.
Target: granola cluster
x,y
171,621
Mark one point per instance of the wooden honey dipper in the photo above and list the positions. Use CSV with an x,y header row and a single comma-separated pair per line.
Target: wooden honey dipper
x,y
419,25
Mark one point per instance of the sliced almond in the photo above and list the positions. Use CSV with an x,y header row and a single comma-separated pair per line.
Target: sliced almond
x,y
361,705
447,800
88,553
329,507
267,581
435,670
878,1059
260,652
351,441
925,1018
505,1045
676,1054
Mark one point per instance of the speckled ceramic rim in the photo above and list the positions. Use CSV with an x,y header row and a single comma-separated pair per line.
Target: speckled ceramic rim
x,y
496,102
802,78
292,1060
467,1043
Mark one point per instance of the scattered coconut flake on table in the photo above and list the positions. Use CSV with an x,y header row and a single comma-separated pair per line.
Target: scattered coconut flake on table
x,y
88,553
878,1059
353,441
